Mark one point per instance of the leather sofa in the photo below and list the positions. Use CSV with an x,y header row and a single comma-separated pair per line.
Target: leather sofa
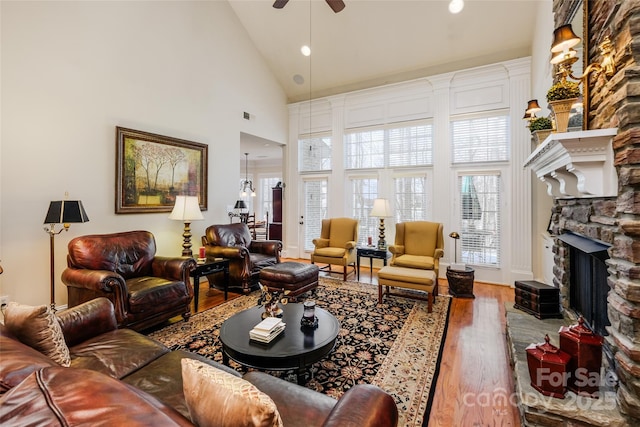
x,y
246,256
145,289
121,377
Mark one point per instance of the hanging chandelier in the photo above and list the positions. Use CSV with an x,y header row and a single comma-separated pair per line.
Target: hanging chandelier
x,y
246,183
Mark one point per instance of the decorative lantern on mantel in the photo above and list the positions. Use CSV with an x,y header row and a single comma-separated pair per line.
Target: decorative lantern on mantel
x,y
585,349
548,368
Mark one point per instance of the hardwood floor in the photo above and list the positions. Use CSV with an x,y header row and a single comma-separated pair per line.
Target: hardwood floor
x,y
475,383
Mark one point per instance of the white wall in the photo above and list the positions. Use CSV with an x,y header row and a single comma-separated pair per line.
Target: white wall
x,y
541,81
72,72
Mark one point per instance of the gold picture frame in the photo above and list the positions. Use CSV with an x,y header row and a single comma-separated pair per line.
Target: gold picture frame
x,y
152,169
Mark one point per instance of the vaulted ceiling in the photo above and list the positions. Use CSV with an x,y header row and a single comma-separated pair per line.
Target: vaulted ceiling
x,y
375,42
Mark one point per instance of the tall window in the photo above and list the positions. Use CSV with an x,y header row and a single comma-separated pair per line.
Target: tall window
x,y
364,191
411,198
480,138
479,196
266,196
315,209
314,153
398,148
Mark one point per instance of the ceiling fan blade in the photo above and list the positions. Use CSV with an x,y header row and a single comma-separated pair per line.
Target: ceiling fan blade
x,y
336,5
279,4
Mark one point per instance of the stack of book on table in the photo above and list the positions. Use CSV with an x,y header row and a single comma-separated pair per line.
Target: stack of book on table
x,y
267,330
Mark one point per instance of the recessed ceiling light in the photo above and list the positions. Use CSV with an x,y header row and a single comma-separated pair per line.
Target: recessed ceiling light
x,y
298,79
306,50
456,6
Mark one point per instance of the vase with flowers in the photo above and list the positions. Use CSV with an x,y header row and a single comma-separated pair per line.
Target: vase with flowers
x,y
561,96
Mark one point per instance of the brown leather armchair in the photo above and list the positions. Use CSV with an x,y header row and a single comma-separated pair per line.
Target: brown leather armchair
x,y
246,256
144,289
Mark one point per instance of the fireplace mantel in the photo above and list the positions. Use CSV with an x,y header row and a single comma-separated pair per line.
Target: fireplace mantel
x,y
577,164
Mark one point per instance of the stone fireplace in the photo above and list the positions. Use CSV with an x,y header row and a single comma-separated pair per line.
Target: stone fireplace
x,y
613,218
595,186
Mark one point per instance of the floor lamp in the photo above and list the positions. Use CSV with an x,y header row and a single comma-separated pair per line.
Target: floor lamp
x,y
62,212
186,209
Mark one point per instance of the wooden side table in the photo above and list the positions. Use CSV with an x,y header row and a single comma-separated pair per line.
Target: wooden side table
x,y
461,282
204,269
371,253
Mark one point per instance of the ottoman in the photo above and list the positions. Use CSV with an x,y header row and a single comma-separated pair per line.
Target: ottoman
x,y
410,278
295,277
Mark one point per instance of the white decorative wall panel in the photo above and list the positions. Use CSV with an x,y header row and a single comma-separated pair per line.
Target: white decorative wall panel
x,y
479,98
364,115
315,117
410,109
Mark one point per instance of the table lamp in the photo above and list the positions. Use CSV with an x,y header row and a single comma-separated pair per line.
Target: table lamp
x,y
240,205
62,212
186,209
382,210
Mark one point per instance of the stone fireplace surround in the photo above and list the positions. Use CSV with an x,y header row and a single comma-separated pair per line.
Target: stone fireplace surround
x,y
613,218
587,209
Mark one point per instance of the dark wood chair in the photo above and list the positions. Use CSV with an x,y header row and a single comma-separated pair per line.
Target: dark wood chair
x,y
258,229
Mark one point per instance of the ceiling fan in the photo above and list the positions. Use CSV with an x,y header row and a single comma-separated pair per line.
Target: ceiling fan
x,y
335,5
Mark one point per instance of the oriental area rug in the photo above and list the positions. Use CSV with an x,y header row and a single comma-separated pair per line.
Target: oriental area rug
x,y
395,345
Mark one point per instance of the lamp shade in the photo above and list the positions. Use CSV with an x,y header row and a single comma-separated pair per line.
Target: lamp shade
x,y
533,107
564,38
381,208
563,56
65,211
186,208
240,204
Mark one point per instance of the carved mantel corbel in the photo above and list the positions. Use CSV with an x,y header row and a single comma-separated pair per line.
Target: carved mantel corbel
x,y
577,164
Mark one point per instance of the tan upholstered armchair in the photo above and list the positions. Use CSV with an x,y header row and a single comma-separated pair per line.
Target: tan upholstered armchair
x,y
144,289
246,255
418,244
337,244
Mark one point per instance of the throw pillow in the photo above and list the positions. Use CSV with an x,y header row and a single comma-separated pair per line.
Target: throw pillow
x,y
217,398
38,328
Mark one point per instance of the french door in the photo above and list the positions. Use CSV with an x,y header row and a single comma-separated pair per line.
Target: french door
x,y
314,210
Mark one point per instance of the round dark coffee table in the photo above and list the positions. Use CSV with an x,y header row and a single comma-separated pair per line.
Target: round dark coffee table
x,y
294,349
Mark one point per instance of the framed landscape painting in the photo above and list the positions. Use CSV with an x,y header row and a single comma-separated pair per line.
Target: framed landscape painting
x,y
151,170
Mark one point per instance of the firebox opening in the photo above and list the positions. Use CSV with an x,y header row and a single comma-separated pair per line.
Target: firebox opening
x,y
588,287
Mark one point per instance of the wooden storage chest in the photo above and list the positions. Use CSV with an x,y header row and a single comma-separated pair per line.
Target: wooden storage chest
x,y
539,299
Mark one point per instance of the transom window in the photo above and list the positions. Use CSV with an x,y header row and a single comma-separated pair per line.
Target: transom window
x,y
480,138
314,153
396,145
